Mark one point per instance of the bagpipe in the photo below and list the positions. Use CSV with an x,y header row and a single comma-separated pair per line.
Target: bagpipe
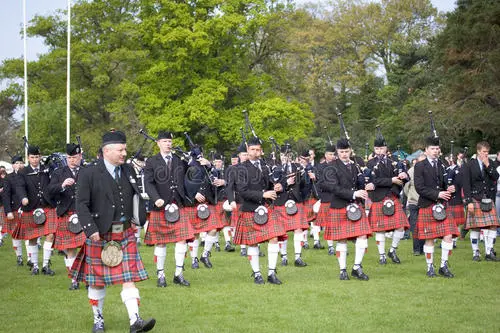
x,y
363,174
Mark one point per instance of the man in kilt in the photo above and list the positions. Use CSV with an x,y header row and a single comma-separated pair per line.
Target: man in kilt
x,y
341,180
233,197
325,196
106,194
164,183
289,177
32,189
479,181
200,193
62,190
431,186
11,204
388,183
3,175
219,182
255,187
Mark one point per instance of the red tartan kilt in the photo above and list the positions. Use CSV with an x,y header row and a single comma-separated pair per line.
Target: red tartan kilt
x,y
162,232
211,223
456,214
308,209
249,233
9,226
2,218
481,219
222,215
380,222
428,228
234,215
323,217
65,239
291,222
88,266
27,229
340,227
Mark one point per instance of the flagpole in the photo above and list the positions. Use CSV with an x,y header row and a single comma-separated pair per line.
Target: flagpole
x,y
25,27
68,77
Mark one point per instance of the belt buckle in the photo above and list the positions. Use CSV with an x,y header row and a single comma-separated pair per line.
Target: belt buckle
x,y
117,228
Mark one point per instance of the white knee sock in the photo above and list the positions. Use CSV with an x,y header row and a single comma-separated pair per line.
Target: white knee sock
x,y
342,255
492,236
193,249
474,241
272,256
47,253
209,242
130,297
283,247
329,242
253,257
33,249
297,244
227,234
160,257
446,249
315,231
380,239
429,254
180,254
17,244
361,246
96,300
396,238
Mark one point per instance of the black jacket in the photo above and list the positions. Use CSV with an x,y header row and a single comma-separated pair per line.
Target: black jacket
x,y
290,192
231,175
162,183
322,185
95,205
251,185
196,180
34,187
427,183
10,198
477,184
340,182
382,174
64,198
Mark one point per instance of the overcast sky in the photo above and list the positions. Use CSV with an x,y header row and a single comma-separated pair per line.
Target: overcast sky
x,y
11,21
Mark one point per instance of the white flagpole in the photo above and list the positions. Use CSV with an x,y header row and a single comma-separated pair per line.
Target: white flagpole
x,y
25,27
68,77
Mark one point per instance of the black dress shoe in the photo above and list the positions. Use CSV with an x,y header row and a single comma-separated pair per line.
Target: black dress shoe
x,y
243,252
273,279
491,257
206,260
299,262
306,245
284,261
359,274
382,260
29,264
141,325
195,264
318,246
331,251
47,271
430,272
217,247
445,272
74,286
19,261
181,281
261,254
98,327
476,256
343,275
258,279
229,247
417,253
161,283
35,271
394,257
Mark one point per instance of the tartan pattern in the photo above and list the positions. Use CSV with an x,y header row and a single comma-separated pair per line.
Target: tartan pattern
x,y
9,226
456,214
341,228
88,266
211,223
234,215
250,233
428,228
323,217
481,219
65,239
162,232
291,222
222,215
381,222
2,217
308,209
27,229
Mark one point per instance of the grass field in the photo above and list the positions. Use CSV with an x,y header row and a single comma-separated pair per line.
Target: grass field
x,y
398,298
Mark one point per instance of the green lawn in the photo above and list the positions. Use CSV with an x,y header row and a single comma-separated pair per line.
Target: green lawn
x,y
312,299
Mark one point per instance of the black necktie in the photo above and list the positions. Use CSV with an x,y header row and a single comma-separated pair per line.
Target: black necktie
x,y
117,174
257,165
75,172
169,162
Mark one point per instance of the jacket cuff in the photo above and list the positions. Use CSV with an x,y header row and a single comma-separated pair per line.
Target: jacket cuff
x,y
90,229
